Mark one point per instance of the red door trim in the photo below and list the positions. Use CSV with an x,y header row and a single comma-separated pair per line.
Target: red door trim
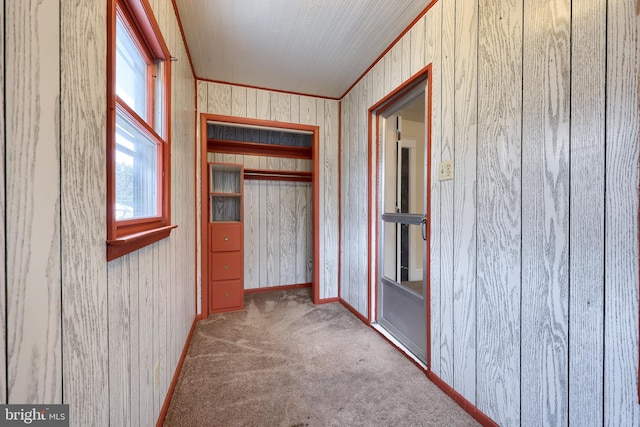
x,y
373,113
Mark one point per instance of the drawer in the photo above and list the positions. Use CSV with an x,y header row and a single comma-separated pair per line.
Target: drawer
x,y
225,237
225,294
225,265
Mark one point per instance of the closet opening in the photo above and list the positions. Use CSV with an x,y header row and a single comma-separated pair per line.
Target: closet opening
x,y
259,209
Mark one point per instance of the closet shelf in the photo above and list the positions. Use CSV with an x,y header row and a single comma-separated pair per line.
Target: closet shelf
x,y
277,175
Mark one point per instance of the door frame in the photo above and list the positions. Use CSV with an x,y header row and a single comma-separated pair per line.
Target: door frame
x,y
204,194
374,115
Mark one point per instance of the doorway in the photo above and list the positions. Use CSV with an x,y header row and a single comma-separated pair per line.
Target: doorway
x,y
402,215
246,143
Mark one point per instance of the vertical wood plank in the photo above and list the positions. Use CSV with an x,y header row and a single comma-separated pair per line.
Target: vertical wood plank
x,y
288,218
262,224
432,54
238,101
202,108
134,333
33,203
545,213
395,56
499,209
464,226
417,46
406,56
119,342
273,227
586,267
251,103
308,110
252,234
446,192
378,77
329,279
145,323
83,194
280,107
263,105
344,192
621,218
356,181
219,99
3,281
348,280
362,212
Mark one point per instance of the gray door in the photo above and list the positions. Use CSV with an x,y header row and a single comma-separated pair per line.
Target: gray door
x,y
402,305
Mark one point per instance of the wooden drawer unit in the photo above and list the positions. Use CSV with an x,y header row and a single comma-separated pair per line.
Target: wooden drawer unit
x,y
225,236
226,295
225,252
225,265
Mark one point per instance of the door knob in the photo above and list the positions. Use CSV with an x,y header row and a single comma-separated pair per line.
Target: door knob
x,y
423,227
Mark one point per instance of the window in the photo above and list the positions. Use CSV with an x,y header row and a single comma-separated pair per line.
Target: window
x,y
138,146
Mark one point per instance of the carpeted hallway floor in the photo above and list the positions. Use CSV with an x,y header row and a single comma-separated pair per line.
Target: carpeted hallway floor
x,y
283,361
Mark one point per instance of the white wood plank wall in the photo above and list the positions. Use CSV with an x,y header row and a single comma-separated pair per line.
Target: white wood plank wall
x,y
151,292
281,200
32,221
534,254
119,318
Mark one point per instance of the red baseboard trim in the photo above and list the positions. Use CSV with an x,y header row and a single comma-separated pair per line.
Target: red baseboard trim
x,y
328,300
478,415
277,288
355,312
176,374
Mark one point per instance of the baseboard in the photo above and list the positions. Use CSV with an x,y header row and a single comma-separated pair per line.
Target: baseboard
x,y
478,415
355,312
176,374
277,288
328,300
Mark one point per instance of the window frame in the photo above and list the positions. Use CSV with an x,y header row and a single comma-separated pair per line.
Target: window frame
x,y
126,236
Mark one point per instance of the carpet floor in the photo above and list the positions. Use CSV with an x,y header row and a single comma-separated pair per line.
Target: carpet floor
x,y
283,361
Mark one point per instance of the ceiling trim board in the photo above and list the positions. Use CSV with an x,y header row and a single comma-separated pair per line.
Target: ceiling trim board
x,y
269,89
402,34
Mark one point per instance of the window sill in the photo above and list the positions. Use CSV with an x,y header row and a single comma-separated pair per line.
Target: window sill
x,y
132,242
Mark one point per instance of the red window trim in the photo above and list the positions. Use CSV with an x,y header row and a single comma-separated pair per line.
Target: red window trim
x,y
124,237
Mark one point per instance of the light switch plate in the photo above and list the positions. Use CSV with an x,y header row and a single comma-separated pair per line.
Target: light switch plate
x,y
446,170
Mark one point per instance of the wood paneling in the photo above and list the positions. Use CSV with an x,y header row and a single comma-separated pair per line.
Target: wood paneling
x,y
328,203
120,400
33,203
83,195
499,209
464,207
3,259
446,192
621,218
151,291
432,55
545,212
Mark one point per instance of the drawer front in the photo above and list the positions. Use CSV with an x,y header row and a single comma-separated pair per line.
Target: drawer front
x,y
227,294
225,237
225,266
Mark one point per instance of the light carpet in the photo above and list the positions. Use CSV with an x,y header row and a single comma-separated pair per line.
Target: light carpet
x,y
283,361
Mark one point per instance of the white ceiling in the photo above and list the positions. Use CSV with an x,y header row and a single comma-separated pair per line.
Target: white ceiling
x,y
315,47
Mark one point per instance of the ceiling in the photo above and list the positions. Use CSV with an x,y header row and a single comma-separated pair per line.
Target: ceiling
x,y
314,47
